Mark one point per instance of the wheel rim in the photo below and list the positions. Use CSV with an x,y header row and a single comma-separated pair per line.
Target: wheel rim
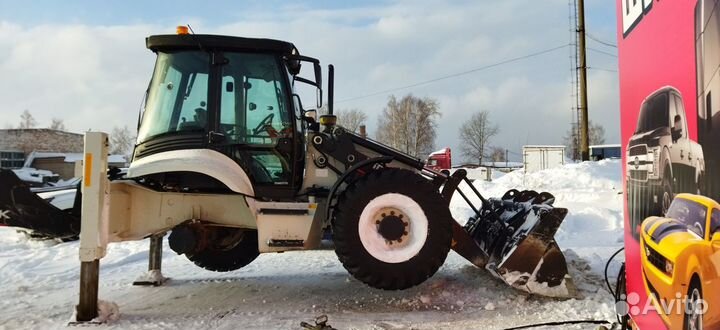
x,y
393,228
695,312
666,200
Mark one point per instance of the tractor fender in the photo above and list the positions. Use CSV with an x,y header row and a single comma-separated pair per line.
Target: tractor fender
x,y
334,190
204,161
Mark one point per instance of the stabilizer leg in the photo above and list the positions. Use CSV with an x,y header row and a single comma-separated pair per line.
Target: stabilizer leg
x,y
93,234
89,280
154,275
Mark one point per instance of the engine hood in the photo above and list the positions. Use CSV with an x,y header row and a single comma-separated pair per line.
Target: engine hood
x,y
651,138
668,235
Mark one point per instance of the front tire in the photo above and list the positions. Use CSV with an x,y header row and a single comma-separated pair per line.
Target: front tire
x,y
392,229
667,194
693,319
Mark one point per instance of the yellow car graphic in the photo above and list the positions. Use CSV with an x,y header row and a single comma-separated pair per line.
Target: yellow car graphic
x,y
681,262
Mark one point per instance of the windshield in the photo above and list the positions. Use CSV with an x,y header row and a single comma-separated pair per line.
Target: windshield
x,y
692,214
653,113
177,96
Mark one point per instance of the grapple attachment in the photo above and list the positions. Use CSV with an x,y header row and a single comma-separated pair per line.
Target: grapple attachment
x,y
513,238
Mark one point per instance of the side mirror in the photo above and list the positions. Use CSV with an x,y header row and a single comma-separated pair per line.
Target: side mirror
x,y
715,240
294,66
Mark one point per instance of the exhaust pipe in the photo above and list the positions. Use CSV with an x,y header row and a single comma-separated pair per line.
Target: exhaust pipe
x,y
331,88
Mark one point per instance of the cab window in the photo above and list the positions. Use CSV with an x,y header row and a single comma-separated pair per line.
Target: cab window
x,y
715,221
678,120
253,105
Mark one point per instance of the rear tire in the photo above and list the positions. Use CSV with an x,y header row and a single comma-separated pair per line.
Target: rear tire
x,y
228,259
392,229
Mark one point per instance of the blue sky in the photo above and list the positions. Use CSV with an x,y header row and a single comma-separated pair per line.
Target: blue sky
x,y
156,12
85,62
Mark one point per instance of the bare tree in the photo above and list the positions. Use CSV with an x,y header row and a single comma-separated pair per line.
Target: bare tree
x,y
497,154
122,141
27,120
596,135
475,136
409,125
351,119
57,124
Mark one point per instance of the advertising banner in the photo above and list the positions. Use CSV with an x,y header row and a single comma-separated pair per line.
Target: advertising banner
x,y
669,55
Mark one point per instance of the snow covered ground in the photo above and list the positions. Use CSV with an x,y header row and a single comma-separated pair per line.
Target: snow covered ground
x,y
39,280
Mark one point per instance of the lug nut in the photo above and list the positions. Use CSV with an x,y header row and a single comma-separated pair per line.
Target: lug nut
x,y
400,216
406,224
377,222
399,240
383,215
392,212
405,233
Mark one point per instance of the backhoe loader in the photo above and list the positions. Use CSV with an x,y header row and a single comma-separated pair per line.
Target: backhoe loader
x,y
232,165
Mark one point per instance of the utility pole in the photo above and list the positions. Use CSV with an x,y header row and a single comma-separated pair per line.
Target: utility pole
x,y
584,143
506,158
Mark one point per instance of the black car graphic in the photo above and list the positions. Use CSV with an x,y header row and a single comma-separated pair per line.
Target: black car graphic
x,y
661,160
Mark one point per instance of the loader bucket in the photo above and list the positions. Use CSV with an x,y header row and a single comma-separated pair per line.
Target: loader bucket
x,y
513,237
535,263
20,207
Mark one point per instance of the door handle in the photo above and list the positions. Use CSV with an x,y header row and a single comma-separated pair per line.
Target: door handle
x,y
682,154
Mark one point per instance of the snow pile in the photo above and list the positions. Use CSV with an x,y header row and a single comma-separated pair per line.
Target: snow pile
x,y
32,175
591,191
278,291
107,312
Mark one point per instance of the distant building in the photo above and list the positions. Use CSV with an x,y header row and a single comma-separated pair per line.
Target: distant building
x,y
46,149
600,152
17,144
65,164
541,157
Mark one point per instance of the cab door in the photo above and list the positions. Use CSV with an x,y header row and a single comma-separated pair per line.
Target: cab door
x,y
683,172
255,124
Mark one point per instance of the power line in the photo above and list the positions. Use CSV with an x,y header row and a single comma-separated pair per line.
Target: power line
x,y
596,39
515,59
601,52
602,69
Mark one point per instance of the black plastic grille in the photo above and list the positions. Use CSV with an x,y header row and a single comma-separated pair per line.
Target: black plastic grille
x,y
638,150
655,258
640,175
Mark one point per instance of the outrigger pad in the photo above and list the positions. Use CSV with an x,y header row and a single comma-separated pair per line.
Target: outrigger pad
x,y
20,207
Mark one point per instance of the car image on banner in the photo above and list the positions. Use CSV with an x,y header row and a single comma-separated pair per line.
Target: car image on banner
x,y
681,253
661,160
669,56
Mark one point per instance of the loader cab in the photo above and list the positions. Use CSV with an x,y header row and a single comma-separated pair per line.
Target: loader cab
x,y
232,95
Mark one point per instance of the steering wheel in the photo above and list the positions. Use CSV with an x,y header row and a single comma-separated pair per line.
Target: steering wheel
x,y
261,126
